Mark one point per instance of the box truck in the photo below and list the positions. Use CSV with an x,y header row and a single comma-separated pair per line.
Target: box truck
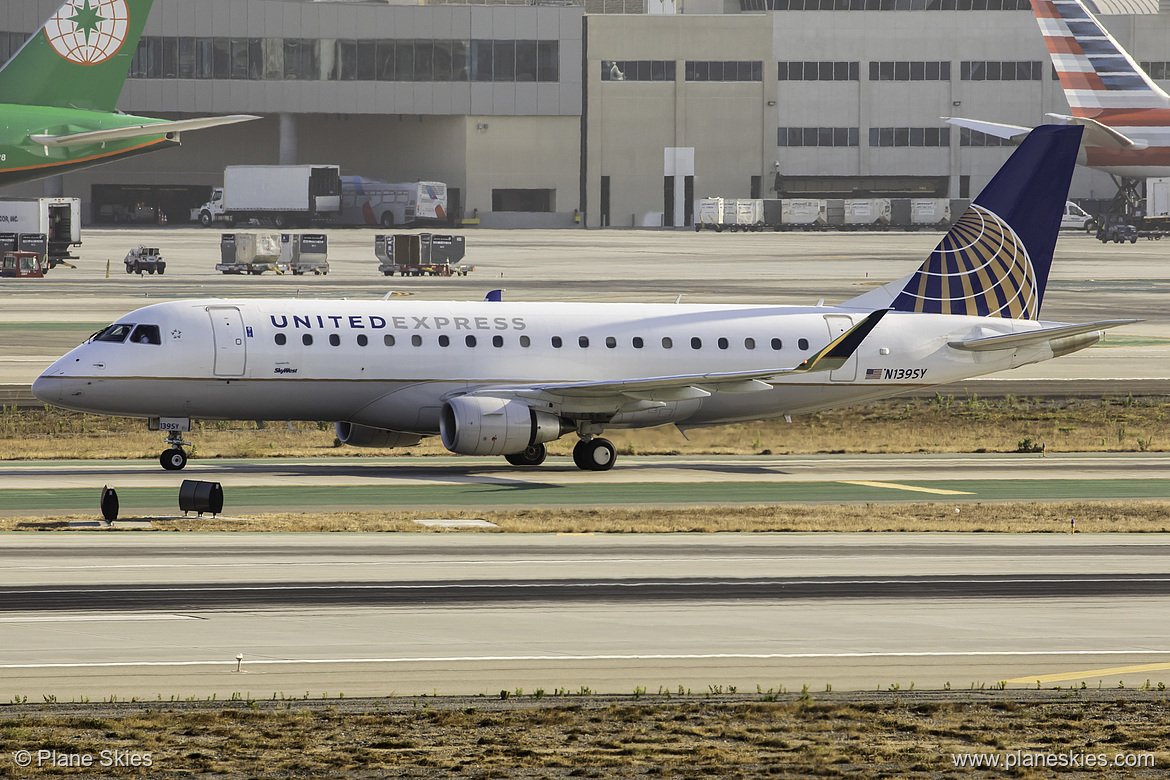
x,y
58,218
281,194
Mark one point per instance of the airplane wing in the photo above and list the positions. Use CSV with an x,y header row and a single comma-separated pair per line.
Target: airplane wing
x,y
1031,338
1013,133
571,395
1097,134
136,131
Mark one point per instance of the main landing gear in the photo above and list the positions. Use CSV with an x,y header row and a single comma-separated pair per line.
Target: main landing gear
x,y
174,458
594,454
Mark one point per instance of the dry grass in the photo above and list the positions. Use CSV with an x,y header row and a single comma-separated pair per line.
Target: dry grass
x,y
940,424
586,736
1005,517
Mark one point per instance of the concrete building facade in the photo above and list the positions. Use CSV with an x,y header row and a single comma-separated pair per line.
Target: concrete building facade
x,y
545,115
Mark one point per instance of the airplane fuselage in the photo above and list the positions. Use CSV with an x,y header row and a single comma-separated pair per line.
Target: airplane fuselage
x,y
392,364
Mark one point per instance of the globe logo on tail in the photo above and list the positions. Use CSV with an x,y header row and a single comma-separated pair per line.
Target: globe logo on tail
x,y
88,32
980,268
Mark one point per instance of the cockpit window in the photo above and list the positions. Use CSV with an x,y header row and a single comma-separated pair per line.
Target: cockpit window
x,y
146,334
116,333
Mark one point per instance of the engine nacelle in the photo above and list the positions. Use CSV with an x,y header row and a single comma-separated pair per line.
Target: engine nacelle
x,y
364,436
477,425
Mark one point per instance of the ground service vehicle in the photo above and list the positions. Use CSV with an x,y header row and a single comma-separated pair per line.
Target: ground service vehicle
x,y
145,258
58,218
372,202
281,194
21,265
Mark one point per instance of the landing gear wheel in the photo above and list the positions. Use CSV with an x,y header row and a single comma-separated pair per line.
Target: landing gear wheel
x,y
594,455
173,459
533,456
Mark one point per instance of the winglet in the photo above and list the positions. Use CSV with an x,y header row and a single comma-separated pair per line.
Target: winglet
x,y
495,296
842,348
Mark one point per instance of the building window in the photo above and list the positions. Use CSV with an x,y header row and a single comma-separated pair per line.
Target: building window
x,y
884,5
969,137
988,70
724,70
909,136
910,71
817,136
637,70
1156,70
327,59
798,70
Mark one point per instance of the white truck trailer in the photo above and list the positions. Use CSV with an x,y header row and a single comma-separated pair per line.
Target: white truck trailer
x,y
373,203
281,194
58,218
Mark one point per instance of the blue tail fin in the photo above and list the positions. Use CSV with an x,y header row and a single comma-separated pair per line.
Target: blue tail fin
x,y
995,259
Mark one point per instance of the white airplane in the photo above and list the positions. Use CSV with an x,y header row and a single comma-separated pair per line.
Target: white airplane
x,y
495,378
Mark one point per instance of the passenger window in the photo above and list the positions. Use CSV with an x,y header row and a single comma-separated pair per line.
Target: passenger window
x,y
334,340
637,342
802,344
444,340
610,342
777,344
362,340
470,340
307,339
556,342
723,343
525,341
281,339
696,343
115,333
416,340
388,340
666,342
146,334
497,341
749,343
583,341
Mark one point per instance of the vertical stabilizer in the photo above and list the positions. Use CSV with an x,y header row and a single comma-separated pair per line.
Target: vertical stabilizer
x,y
79,59
1099,77
994,261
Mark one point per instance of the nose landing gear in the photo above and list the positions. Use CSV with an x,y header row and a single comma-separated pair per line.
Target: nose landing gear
x,y
174,458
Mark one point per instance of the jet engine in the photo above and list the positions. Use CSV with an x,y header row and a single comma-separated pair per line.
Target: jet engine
x,y
479,425
364,436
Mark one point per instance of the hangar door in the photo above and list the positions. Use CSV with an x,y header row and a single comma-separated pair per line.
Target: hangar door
x,y
230,351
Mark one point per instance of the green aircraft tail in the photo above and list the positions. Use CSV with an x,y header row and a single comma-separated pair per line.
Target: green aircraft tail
x,y
79,59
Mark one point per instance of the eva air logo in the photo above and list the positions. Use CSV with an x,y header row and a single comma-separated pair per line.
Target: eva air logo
x,y
88,31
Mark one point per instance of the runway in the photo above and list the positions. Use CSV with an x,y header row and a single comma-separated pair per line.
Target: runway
x,y
163,616
342,484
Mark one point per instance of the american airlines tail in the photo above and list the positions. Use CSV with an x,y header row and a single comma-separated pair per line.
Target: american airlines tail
x,y
1125,114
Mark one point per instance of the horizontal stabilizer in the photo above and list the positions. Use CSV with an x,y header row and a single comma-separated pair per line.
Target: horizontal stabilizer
x,y
1097,134
138,131
1034,337
1013,133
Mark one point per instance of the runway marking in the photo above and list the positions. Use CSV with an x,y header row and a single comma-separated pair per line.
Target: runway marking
x,y
896,486
648,657
90,618
1044,678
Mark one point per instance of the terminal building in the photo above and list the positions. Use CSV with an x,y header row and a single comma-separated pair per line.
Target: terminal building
x,y
611,113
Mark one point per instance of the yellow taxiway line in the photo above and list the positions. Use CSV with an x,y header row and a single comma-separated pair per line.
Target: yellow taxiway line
x,y
913,488
1090,673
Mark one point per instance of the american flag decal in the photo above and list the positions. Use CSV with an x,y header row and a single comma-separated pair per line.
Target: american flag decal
x,y
873,373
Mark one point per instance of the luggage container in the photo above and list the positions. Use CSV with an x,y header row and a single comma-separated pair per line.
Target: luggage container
x,y
802,212
835,212
930,211
710,215
867,211
252,253
304,253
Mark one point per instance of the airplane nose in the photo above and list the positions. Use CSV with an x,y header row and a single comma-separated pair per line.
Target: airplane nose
x,y
45,389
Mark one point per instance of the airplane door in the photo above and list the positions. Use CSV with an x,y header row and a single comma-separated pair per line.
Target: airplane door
x,y
838,324
230,351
